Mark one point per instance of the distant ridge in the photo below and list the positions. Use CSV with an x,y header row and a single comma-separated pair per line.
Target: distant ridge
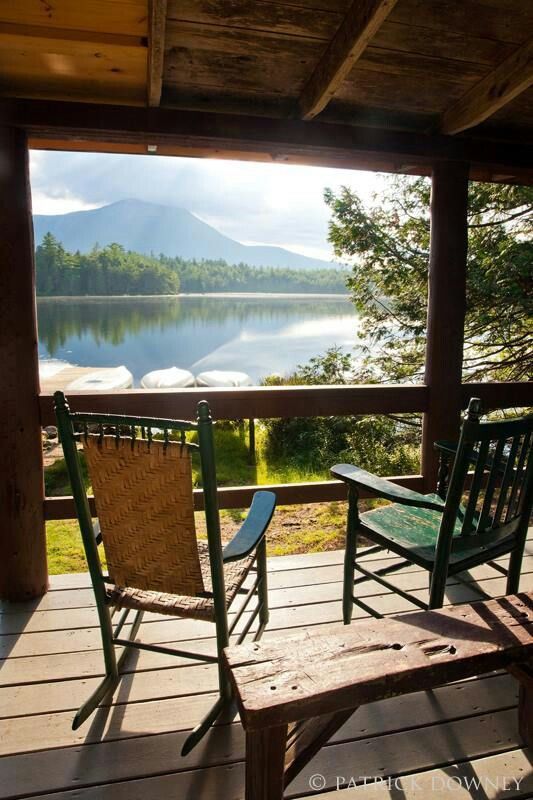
x,y
151,228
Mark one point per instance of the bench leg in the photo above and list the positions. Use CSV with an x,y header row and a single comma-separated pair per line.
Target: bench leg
x,y
525,714
524,675
265,763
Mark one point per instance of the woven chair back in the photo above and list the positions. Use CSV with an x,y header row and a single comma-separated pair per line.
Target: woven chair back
x,y
144,501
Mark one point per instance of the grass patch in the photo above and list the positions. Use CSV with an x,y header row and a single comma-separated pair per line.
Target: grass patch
x,y
294,529
65,549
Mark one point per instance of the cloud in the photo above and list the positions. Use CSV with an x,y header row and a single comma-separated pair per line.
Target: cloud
x,y
255,203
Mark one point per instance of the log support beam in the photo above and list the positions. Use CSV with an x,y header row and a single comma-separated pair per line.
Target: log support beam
x,y
446,311
23,568
60,125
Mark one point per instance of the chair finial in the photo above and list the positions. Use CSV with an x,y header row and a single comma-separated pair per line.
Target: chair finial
x,y
203,411
60,401
474,410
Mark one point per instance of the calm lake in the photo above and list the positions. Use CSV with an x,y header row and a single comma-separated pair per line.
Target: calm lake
x,y
259,334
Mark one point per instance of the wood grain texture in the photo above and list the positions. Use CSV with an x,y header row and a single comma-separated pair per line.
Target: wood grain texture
x,y
265,752
241,496
512,77
266,15
71,63
446,312
279,682
125,17
462,46
293,141
431,56
130,749
503,21
157,13
259,402
355,32
23,568
22,31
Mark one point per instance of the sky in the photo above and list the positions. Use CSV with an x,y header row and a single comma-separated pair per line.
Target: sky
x,y
254,203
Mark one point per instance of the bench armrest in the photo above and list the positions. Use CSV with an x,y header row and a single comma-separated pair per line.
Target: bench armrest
x,y
253,528
384,488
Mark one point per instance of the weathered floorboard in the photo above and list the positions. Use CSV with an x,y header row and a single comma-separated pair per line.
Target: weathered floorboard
x,y
130,749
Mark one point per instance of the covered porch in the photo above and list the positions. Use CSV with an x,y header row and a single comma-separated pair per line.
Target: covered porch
x,y
440,89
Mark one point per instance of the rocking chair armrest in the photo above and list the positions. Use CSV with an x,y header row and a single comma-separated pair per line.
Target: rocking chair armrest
x,y
253,528
384,488
449,448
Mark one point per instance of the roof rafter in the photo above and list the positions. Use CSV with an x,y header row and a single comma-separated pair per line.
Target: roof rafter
x,y
355,32
156,50
499,87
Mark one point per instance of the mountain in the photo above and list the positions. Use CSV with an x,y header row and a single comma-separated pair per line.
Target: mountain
x,y
150,228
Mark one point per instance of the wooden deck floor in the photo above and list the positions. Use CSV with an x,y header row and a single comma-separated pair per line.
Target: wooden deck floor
x,y
441,742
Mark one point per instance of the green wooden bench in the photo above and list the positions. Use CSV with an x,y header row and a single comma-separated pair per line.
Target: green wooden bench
x,y
294,693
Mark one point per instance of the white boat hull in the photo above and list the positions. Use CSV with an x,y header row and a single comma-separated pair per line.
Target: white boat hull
x,y
218,377
172,378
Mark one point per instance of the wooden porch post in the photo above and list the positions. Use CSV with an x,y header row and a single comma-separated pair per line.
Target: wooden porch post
x,y
23,568
446,311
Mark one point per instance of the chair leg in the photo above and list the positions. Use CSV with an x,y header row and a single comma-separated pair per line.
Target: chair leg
x,y
349,556
225,687
513,573
261,560
131,638
437,589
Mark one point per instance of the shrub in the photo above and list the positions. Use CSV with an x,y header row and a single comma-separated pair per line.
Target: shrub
x,y
381,444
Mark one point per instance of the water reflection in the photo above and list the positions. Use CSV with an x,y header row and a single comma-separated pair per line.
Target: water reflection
x,y
260,335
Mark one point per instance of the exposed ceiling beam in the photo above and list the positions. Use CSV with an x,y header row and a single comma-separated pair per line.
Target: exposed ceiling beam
x,y
357,29
499,87
56,124
156,50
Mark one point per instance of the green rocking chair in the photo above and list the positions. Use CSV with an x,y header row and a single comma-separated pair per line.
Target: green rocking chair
x,y
142,483
484,515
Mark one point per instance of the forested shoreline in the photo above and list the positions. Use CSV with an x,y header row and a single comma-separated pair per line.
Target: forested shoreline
x,y
112,270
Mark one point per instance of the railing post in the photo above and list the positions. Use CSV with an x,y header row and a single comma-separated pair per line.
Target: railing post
x,y
23,568
446,311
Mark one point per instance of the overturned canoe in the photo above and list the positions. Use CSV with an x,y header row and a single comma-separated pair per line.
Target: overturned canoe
x,y
104,380
172,378
218,377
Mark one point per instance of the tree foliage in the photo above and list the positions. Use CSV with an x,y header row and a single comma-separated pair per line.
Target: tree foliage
x,y
388,446
104,271
112,270
387,247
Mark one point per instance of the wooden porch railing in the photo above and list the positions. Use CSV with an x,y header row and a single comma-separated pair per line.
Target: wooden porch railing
x,y
285,401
